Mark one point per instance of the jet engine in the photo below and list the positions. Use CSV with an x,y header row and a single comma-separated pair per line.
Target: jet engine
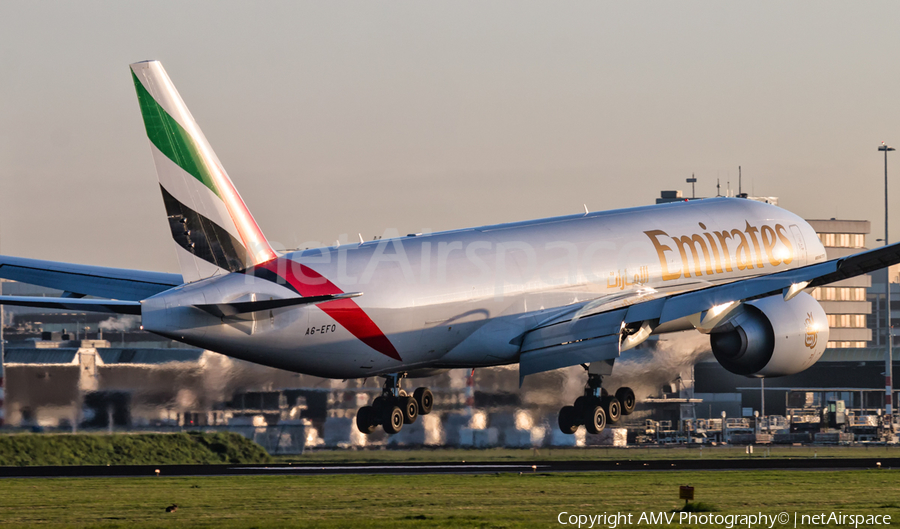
x,y
771,337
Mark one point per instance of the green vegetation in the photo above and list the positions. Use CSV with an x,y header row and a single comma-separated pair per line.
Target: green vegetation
x,y
213,448
697,507
527,455
494,500
126,449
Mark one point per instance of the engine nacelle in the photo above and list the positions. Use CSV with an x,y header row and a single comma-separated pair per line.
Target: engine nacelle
x,y
771,337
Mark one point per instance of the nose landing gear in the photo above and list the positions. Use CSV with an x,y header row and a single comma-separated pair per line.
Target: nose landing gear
x,y
394,408
596,407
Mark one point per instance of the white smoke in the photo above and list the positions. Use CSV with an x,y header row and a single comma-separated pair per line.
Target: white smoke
x,y
662,364
120,323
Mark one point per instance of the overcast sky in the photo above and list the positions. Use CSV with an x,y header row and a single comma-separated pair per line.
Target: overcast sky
x,y
346,117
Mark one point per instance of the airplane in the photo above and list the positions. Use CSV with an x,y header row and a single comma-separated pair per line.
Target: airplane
x,y
545,294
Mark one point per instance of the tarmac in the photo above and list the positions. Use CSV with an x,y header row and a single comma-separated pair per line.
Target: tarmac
x,y
757,463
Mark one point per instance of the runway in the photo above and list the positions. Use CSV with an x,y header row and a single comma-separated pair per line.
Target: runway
x,y
755,463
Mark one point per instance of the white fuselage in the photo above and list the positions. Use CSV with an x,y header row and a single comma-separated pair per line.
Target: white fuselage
x,y
461,298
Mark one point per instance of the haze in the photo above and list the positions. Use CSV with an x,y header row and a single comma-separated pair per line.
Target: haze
x,y
359,117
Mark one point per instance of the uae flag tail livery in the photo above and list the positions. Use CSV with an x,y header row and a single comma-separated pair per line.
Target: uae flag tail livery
x,y
210,223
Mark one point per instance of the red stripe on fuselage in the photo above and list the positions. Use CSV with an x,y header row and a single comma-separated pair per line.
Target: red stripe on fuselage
x,y
308,282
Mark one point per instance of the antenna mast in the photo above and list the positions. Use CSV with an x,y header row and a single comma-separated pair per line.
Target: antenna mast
x,y
692,180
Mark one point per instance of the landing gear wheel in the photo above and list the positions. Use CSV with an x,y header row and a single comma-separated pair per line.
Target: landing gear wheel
x,y
365,420
568,420
380,406
393,421
410,409
425,399
626,399
612,408
595,421
584,404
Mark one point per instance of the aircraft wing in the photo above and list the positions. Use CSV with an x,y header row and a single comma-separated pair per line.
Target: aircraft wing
x,y
81,280
113,306
573,339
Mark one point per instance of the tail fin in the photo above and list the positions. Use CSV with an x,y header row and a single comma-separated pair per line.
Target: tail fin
x,y
210,223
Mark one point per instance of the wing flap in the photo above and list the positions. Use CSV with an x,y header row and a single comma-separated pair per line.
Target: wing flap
x,y
574,330
571,342
570,354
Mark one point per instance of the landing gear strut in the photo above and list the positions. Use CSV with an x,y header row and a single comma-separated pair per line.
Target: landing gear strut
x,y
395,407
596,407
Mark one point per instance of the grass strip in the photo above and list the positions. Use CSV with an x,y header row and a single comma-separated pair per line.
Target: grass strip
x,y
129,449
495,500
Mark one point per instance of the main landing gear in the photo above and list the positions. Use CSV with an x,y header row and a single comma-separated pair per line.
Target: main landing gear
x,y
596,407
394,407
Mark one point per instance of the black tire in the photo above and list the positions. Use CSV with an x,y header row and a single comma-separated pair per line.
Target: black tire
x,y
425,399
393,423
626,399
381,407
365,420
595,421
410,409
583,405
568,420
613,409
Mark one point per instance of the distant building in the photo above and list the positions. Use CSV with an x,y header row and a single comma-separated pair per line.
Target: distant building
x,y
671,196
876,320
845,302
678,196
876,297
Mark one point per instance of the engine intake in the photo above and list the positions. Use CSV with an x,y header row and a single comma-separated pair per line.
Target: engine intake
x,y
771,337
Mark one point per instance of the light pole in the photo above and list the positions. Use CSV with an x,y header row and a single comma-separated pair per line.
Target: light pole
x,y
724,428
888,359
